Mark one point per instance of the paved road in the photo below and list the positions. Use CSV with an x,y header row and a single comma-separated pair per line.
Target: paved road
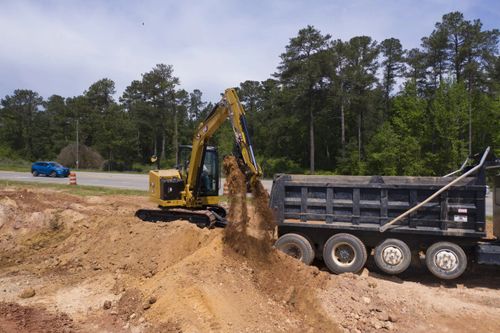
x,y
119,180
107,179
129,181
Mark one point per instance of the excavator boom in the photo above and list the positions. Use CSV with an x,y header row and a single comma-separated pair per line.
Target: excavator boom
x,y
229,107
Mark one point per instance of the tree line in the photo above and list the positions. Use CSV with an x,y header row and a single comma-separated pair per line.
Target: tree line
x,y
351,107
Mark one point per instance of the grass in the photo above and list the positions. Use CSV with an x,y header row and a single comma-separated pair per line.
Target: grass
x,y
15,167
27,168
81,190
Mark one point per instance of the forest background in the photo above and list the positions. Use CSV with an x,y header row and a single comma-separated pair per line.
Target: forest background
x,y
356,106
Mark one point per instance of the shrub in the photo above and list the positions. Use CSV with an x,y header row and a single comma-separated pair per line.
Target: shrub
x,y
88,158
272,166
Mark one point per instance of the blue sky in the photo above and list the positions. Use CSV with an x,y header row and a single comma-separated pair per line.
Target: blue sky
x,y
62,47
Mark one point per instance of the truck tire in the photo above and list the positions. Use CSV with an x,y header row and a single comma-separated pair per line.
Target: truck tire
x,y
296,246
392,256
35,173
446,260
53,174
344,253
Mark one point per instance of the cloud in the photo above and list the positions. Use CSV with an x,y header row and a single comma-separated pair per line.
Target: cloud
x,y
61,47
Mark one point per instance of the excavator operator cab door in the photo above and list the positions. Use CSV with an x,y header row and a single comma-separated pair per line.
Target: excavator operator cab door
x,y
209,173
183,156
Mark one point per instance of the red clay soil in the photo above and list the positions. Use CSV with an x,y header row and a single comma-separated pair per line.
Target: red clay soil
x,y
16,318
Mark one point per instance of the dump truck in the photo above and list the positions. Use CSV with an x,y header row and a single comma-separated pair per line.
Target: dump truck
x,y
343,219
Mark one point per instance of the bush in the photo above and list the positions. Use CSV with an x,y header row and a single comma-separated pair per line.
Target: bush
x,y
272,166
88,158
116,166
10,160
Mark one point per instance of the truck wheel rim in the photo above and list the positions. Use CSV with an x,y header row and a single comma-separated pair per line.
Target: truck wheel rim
x,y
392,255
446,260
343,254
292,250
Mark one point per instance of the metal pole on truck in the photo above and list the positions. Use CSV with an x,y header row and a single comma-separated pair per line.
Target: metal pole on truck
x,y
441,190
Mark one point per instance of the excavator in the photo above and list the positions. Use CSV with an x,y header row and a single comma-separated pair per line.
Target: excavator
x,y
191,190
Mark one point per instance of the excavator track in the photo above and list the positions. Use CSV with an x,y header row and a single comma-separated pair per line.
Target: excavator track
x,y
204,218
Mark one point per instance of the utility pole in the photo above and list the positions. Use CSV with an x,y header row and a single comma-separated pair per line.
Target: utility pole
x,y
470,128
77,144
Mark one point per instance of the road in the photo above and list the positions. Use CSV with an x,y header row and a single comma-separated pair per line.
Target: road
x,y
106,179
130,181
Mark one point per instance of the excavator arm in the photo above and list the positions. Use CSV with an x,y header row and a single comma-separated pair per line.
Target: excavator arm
x,y
229,107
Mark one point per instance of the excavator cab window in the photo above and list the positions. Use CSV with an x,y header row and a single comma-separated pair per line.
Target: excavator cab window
x,y
183,156
209,175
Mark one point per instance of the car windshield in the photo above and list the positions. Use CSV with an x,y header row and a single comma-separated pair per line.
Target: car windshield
x,y
55,164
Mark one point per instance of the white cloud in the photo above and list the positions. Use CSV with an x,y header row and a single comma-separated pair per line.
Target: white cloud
x,y
63,47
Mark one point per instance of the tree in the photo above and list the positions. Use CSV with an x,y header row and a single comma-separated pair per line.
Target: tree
x,y
301,72
19,115
417,69
196,105
435,47
141,113
61,128
392,65
159,86
361,55
152,103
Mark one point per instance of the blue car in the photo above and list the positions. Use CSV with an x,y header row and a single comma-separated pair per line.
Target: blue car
x,y
52,169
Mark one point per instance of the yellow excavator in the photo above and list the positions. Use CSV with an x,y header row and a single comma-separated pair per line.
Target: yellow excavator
x,y
191,190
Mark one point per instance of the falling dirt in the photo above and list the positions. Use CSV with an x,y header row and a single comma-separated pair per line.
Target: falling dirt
x,y
295,287
91,266
236,232
265,218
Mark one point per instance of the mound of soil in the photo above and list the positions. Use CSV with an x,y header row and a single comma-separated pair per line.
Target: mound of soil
x,y
94,267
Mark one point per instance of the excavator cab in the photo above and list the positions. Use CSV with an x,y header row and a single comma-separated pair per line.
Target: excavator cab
x,y
209,178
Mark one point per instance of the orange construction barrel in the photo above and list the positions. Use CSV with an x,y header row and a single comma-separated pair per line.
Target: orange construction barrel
x,y
72,178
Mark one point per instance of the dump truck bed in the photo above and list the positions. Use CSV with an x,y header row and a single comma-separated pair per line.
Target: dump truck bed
x,y
365,203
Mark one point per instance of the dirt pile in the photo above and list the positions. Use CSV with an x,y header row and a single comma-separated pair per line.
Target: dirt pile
x,y
94,267
101,266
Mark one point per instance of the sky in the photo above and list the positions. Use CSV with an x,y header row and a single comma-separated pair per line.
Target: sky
x,y
62,47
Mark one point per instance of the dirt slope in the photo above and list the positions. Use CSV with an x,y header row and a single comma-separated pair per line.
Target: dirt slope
x,y
87,265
